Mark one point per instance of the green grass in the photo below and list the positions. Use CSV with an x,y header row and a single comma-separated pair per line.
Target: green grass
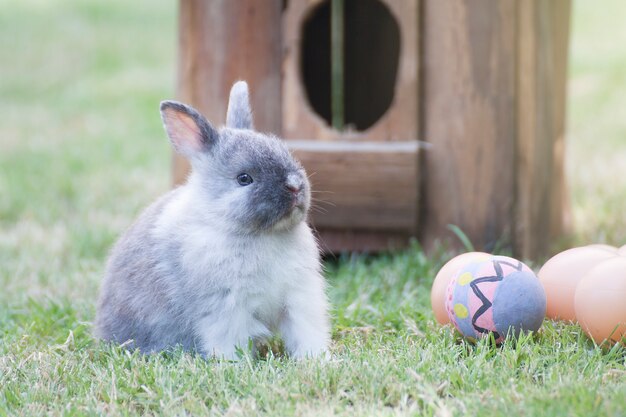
x,y
82,151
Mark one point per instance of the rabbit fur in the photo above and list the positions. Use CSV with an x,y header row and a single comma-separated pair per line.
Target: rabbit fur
x,y
225,259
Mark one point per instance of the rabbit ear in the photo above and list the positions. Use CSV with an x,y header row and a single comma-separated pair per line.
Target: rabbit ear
x,y
189,132
239,114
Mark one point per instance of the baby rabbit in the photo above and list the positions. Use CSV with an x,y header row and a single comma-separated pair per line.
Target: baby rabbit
x,y
225,259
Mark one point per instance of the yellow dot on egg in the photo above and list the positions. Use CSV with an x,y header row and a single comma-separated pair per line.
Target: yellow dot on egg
x,y
460,310
465,278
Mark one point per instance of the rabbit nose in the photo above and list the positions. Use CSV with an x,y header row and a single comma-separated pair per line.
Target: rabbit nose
x,y
293,184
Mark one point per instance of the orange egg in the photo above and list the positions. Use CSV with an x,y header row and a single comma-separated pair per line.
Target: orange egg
x,y
561,274
601,301
440,284
610,248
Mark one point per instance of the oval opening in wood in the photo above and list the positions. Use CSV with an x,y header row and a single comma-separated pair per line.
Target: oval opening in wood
x,y
371,51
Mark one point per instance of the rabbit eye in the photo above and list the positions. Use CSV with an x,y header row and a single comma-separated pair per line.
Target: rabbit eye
x,y
244,179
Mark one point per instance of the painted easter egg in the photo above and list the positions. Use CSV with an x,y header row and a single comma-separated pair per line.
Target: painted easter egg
x,y
500,296
442,279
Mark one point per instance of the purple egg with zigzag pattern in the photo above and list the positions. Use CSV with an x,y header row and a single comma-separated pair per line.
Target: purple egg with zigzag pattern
x,y
500,296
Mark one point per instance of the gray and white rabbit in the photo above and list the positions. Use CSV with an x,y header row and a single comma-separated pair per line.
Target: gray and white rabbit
x,y
225,259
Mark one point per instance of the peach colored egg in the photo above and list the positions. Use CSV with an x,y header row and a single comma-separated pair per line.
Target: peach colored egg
x,y
600,301
561,274
440,284
609,248
622,250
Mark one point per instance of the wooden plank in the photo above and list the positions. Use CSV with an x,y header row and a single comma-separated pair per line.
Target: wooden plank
x,y
468,115
337,241
361,186
220,42
543,29
370,178
560,223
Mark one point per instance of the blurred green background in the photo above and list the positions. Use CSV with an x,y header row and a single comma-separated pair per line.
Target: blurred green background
x,y
596,121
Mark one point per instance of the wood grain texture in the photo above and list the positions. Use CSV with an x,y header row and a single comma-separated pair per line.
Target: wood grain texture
x,y
337,241
468,115
370,193
400,120
543,29
220,42
362,185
